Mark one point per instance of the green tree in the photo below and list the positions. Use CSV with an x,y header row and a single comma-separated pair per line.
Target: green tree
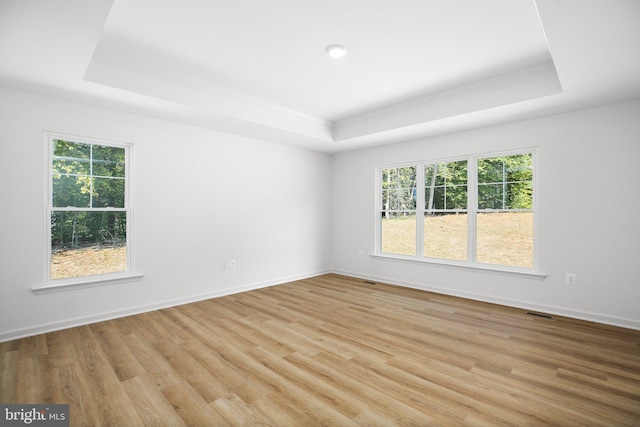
x,y
88,177
398,190
505,182
446,186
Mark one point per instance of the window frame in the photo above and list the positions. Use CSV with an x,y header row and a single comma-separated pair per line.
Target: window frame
x,y
472,212
423,165
54,285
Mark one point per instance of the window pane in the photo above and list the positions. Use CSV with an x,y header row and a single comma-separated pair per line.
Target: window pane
x,y
399,188
434,175
491,196
505,238
71,191
87,243
399,199
398,233
490,170
457,173
71,157
435,198
519,167
507,195
108,193
445,236
108,161
456,197
520,195
505,182
446,185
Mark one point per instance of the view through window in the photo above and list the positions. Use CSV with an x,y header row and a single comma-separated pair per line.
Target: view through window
x,y
88,208
476,210
445,213
398,215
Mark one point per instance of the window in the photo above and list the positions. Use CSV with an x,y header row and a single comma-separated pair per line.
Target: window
x,y
445,212
89,209
472,211
398,214
504,214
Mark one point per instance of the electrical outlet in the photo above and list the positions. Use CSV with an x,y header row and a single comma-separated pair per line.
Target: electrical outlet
x,y
570,279
224,265
360,254
232,264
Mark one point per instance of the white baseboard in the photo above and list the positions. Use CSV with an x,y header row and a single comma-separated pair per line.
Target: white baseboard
x,y
86,320
525,305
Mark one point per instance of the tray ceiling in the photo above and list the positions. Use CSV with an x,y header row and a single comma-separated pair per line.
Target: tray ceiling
x,y
414,68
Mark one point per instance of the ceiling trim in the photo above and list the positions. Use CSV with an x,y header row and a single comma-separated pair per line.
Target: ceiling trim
x,y
525,84
160,79
128,69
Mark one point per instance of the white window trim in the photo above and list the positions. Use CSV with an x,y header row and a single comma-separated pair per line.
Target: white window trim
x,y
87,282
48,285
472,210
461,265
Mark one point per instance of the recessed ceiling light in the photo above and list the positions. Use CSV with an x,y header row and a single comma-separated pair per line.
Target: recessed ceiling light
x,y
336,51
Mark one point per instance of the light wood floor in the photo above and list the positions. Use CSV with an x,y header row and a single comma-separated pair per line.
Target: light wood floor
x,y
332,351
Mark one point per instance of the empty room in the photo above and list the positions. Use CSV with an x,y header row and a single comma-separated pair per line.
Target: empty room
x,y
336,213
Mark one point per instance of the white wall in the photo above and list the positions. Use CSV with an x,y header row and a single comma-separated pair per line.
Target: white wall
x,y
272,208
200,197
589,215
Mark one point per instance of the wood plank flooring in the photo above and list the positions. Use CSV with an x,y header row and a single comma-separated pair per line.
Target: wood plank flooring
x,y
332,351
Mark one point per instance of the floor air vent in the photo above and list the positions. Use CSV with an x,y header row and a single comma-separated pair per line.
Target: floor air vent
x,y
544,316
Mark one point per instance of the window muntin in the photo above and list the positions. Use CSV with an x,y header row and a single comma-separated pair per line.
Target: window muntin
x,y
88,209
474,210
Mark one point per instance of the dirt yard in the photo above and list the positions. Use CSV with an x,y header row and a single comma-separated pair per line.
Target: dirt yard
x,y
88,261
504,238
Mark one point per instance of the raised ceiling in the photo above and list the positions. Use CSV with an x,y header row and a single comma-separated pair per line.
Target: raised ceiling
x,y
414,68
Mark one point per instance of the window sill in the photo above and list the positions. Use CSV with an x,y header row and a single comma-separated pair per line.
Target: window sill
x,y
479,267
85,282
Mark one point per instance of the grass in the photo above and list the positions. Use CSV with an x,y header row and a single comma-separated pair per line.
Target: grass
x,y
503,238
88,261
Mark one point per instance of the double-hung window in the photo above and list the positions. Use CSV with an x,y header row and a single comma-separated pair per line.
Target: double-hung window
x,y
505,214
477,210
445,210
398,210
89,209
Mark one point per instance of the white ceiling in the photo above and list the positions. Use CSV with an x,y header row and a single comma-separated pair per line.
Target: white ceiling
x,y
414,68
